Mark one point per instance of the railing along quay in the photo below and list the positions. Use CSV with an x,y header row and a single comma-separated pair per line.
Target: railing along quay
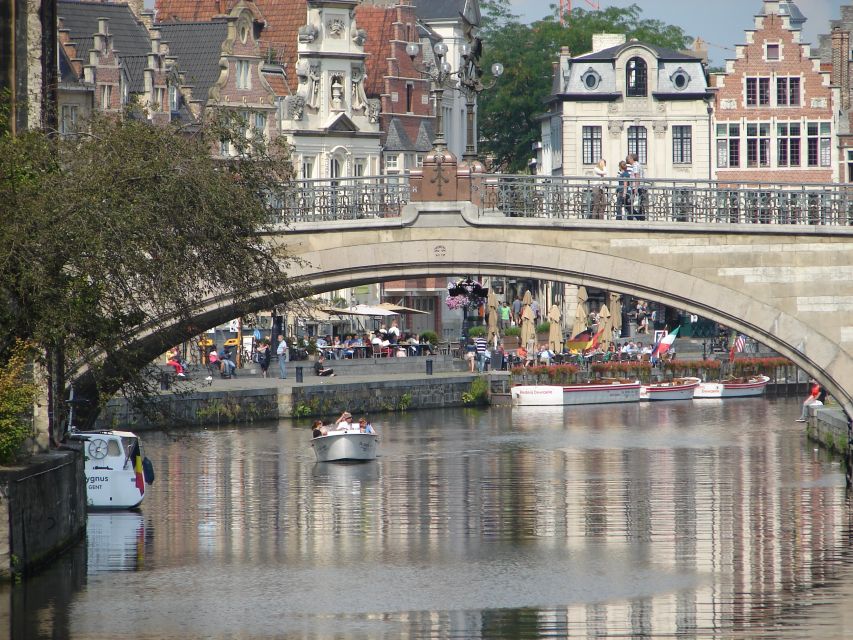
x,y
585,198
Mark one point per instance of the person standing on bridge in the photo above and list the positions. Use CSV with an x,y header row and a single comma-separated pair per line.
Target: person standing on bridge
x,y
283,354
638,201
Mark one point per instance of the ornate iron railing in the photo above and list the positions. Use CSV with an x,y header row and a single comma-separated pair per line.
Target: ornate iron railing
x,y
344,199
708,202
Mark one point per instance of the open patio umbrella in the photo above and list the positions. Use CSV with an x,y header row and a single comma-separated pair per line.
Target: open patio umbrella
x,y
579,324
555,333
493,316
616,311
528,329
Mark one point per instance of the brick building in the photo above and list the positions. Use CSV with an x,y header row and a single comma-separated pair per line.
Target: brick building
x,y
835,55
774,106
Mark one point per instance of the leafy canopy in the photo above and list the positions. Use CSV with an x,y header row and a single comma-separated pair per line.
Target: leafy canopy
x,y
127,224
507,113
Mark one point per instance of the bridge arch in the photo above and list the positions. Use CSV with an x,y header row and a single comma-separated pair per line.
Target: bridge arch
x,y
759,283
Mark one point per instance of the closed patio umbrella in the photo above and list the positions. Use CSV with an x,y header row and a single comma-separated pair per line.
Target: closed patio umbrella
x,y
616,311
605,325
555,333
579,324
528,329
493,315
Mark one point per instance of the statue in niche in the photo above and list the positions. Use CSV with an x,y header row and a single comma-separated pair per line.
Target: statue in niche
x,y
294,107
309,83
359,37
337,88
359,97
336,27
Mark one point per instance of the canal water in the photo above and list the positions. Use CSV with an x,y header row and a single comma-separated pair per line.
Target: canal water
x,y
703,519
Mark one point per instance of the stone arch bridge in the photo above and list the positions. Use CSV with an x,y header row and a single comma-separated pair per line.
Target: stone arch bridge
x,y
774,262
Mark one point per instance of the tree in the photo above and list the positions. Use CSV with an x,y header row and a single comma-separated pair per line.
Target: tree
x,y
508,113
125,225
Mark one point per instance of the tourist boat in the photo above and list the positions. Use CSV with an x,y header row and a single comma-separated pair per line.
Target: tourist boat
x,y
593,392
733,388
675,389
116,472
340,446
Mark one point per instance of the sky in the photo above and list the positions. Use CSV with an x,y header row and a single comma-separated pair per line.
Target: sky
x,y
719,22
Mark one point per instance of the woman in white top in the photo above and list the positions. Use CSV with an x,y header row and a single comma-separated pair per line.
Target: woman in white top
x,y
599,198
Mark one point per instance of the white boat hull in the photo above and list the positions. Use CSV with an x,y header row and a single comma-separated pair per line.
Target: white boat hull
x,y
554,395
754,387
112,479
682,390
345,446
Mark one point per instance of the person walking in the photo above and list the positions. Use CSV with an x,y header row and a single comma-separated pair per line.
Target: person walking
x,y
504,317
264,357
623,191
481,345
283,356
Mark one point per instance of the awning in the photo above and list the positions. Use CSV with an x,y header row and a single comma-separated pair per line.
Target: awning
x,y
361,310
396,308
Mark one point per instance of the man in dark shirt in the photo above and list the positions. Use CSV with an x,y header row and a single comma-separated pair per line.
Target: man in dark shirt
x,y
320,369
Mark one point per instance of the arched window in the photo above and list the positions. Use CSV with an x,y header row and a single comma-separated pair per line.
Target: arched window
x,y
636,79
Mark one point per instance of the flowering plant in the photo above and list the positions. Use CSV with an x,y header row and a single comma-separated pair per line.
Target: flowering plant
x,y
456,302
466,293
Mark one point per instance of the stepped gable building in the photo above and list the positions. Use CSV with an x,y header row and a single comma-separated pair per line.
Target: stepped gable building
x,y
835,55
108,60
627,97
221,65
774,106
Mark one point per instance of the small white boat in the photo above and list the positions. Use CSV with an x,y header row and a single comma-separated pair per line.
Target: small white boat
x,y
115,478
345,445
594,392
675,389
734,388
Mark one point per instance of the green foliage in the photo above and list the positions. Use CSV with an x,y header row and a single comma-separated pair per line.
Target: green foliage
x,y
301,411
17,393
512,331
127,224
478,392
543,327
430,336
509,113
404,401
477,331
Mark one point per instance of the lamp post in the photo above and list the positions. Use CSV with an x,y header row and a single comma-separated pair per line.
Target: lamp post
x,y
438,74
471,85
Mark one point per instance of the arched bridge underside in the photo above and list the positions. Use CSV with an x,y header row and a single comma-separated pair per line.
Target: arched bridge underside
x,y
789,287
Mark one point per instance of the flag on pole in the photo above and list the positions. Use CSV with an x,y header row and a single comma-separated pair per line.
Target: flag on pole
x,y
737,347
665,343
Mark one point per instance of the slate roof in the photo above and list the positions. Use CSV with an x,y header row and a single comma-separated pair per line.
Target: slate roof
x,y
282,17
397,138
135,65
197,46
438,9
662,53
130,37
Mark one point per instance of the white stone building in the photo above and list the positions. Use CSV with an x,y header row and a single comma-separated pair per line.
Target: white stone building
x,y
332,125
627,97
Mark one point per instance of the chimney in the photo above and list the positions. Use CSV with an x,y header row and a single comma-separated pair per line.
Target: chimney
x,y
601,41
840,75
136,6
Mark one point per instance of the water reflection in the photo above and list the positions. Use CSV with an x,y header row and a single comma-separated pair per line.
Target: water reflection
x,y
703,519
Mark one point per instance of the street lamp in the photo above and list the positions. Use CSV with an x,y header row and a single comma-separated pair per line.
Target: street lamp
x,y
471,85
438,74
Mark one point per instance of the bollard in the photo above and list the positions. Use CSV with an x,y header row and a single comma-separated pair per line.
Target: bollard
x,y
165,381
298,374
429,367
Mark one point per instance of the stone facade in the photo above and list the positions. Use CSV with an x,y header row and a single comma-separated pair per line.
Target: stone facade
x,y
774,106
627,98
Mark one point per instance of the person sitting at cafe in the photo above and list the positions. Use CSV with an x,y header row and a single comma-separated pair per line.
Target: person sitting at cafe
x,y
321,369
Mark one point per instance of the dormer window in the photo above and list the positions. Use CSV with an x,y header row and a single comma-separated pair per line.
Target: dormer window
x,y
636,79
591,79
680,79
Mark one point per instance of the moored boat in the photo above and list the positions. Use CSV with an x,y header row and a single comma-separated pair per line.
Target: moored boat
x,y
603,391
733,388
115,477
675,389
338,446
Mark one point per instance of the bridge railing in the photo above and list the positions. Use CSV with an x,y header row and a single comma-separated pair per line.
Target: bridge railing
x,y
697,201
344,199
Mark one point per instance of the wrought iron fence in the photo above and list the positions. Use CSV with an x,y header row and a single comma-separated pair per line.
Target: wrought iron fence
x,y
343,199
697,201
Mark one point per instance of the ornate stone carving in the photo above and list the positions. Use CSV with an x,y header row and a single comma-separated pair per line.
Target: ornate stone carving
x,y
359,37
294,107
309,83
337,89
728,103
615,128
660,128
373,106
308,33
335,27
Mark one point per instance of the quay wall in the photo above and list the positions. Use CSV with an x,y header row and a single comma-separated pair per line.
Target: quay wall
x,y
828,427
315,398
42,510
